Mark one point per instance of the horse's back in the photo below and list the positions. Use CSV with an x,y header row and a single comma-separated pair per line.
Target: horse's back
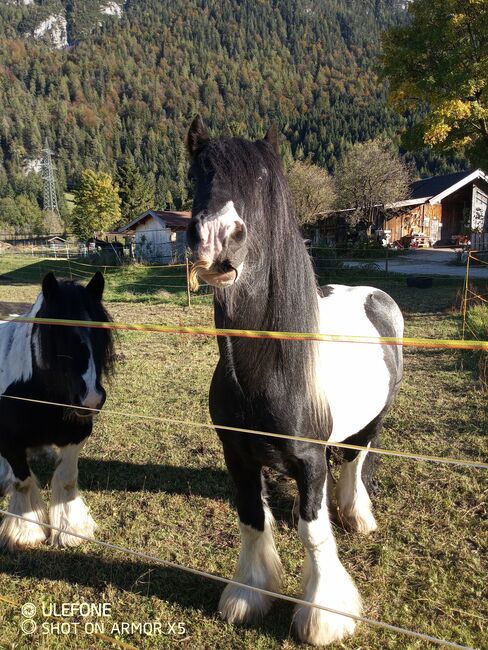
x,y
359,379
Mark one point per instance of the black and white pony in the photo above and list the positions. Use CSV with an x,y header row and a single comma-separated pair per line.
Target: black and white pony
x,y
52,363
246,243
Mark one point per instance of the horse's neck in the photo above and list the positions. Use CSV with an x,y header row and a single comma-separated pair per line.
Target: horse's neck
x,y
16,358
255,306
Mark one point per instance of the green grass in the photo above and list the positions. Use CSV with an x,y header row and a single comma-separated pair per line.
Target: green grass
x,y
129,283
162,489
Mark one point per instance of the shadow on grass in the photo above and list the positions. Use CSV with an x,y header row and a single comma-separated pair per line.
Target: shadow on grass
x,y
197,595
137,279
112,475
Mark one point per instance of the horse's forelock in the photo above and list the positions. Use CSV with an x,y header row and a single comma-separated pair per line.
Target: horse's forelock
x,y
74,302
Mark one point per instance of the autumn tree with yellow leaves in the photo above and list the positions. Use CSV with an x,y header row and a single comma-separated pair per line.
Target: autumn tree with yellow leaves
x,y
437,66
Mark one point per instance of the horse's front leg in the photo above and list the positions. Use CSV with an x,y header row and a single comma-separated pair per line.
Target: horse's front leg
x,y
325,580
259,564
68,511
355,509
25,500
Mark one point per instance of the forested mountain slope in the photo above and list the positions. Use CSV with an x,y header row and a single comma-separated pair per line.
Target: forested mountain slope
x,y
125,79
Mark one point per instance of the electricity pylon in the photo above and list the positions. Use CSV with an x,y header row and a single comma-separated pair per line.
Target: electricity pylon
x,y
50,198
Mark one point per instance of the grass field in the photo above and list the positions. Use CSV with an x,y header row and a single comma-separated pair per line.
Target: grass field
x,y
163,489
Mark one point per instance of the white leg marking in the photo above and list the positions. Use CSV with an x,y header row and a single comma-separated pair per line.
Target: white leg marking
x,y
68,511
353,498
325,582
260,566
25,500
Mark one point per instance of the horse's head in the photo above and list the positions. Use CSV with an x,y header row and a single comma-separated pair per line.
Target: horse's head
x,y
74,358
232,191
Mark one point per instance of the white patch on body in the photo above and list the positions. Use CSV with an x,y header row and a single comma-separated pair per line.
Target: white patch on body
x,y
260,566
353,498
6,476
25,500
353,376
68,511
216,229
15,349
326,583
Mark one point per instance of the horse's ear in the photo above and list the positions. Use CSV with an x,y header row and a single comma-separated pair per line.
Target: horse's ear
x,y
50,286
96,286
273,138
197,136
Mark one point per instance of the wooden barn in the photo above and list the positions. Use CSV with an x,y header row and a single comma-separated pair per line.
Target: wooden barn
x,y
158,235
439,210
442,209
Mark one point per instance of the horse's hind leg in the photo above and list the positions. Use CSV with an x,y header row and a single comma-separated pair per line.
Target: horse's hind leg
x,y
25,500
68,511
259,564
355,508
325,580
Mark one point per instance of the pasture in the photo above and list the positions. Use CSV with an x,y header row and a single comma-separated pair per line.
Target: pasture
x,y
162,489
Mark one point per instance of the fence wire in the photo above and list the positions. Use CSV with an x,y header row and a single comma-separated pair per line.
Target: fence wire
x,y
228,581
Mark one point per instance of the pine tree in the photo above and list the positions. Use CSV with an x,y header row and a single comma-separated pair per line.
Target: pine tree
x,y
136,192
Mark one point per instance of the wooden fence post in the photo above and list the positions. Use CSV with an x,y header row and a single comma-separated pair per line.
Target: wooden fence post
x,y
188,297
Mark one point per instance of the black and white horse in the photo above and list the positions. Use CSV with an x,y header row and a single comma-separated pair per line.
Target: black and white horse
x,y
246,243
52,363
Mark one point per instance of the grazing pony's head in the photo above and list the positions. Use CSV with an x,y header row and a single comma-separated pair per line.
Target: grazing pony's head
x,y
74,358
238,188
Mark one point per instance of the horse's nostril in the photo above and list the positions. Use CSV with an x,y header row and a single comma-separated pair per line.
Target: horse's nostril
x,y
239,233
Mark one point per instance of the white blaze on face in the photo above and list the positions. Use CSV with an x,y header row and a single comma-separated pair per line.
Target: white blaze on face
x,y
217,229
93,396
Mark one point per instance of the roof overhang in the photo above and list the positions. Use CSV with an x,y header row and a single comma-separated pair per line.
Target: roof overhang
x,y
407,203
476,175
141,217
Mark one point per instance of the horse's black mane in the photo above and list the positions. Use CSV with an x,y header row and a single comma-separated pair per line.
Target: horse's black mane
x,y
253,172
74,302
277,290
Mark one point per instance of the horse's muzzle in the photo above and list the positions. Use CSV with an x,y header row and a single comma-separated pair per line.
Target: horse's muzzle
x,y
218,242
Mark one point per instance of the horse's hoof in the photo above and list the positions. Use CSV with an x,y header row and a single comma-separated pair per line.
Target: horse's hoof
x,y
335,590
17,535
71,517
239,605
359,522
63,539
318,627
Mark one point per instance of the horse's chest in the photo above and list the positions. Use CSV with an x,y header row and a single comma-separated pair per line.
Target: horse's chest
x,y
354,376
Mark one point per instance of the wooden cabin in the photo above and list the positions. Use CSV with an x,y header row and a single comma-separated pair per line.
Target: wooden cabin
x,y
158,235
441,209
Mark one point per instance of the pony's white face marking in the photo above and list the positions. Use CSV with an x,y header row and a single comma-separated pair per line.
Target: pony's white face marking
x,y
217,228
215,233
93,397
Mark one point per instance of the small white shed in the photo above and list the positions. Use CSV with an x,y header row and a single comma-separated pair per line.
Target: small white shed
x,y
159,236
